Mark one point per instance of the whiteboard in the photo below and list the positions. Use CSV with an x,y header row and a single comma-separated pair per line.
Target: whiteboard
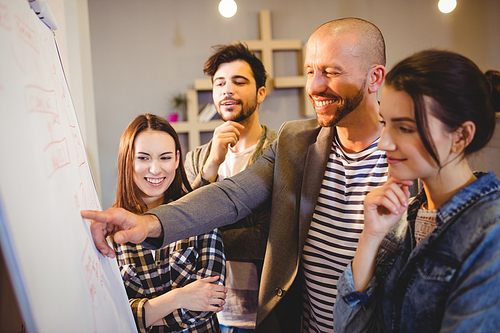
x,y
61,282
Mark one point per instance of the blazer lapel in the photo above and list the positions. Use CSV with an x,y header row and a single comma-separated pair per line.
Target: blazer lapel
x,y
316,160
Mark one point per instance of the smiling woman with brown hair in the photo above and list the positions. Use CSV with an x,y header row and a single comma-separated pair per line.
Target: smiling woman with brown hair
x,y
181,286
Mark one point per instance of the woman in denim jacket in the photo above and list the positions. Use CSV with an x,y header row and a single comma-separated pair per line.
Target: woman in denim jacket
x,y
438,268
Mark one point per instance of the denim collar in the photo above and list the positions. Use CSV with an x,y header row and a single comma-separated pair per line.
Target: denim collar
x,y
485,184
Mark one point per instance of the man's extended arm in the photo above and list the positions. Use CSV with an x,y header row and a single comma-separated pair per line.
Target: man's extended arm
x,y
198,212
218,204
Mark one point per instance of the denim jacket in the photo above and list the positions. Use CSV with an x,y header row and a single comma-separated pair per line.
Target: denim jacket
x,y
450,282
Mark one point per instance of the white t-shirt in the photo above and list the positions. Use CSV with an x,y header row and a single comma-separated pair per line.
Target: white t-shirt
x,y
235,162
242,282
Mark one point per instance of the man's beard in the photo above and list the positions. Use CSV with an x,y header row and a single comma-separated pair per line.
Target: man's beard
x,y
351,102
246,111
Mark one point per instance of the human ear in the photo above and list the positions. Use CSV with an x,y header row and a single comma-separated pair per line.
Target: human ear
x,y
376,76
177,158
261,94
463,136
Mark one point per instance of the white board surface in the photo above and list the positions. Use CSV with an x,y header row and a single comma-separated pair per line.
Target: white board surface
x,y
61,282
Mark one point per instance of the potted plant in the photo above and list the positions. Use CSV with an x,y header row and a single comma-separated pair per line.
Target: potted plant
x,y
179,102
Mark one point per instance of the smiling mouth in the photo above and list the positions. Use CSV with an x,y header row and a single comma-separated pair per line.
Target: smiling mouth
x,y
319,104
155,181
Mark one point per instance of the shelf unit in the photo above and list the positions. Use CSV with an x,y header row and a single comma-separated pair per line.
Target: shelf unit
x,y
192,127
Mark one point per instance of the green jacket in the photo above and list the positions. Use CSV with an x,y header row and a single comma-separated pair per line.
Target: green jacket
x,y
246,239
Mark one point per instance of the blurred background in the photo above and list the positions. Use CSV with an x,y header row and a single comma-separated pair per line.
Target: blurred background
x,y
127,57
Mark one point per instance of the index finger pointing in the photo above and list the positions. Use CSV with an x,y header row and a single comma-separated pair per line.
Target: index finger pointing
x,y
99,233
94,215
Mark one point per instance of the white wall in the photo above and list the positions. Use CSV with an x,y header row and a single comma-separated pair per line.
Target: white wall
x,y
143,52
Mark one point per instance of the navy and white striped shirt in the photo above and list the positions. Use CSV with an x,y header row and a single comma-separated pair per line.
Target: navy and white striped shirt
x,y
335,228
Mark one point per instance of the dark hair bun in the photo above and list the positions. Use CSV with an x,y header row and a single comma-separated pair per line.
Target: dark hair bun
x,y
494,81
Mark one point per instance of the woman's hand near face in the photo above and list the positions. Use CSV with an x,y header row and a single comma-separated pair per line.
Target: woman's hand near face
x,y
383,207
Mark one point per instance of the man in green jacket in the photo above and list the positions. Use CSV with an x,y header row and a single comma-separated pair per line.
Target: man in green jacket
x,y
238,79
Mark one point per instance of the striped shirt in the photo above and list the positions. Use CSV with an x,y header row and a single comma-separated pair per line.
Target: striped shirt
x,y
335,228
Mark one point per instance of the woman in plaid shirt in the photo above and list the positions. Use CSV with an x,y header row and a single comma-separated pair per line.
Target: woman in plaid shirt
x,y
180,287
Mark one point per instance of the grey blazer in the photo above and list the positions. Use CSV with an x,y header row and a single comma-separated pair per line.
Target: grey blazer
x,y
289,174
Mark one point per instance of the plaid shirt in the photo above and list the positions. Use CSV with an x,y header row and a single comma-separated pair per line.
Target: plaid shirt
x,y
176,265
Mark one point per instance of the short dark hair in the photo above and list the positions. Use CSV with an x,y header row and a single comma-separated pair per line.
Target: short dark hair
x,y
459,91
236,51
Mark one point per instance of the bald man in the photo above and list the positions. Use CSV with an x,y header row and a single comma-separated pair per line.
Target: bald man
x,y
315,175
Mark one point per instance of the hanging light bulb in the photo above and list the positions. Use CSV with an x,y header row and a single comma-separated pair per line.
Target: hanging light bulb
x,y
447,6
227,8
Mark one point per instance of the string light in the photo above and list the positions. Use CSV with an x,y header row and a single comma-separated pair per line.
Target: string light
x,y
447,6
227,8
